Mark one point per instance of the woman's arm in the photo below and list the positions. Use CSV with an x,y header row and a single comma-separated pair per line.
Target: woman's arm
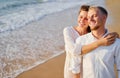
x,y
106,41
76,49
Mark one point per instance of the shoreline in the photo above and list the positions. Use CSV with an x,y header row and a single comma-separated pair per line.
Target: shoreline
x,y
71,15
22,48
53,68
44,72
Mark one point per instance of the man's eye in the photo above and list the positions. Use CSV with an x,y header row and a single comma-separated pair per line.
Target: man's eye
x,y
95,15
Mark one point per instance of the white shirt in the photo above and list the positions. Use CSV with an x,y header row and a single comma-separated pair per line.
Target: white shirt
x,y
70,36
99,63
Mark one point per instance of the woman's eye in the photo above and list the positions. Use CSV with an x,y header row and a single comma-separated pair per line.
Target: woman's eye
x,y
80,17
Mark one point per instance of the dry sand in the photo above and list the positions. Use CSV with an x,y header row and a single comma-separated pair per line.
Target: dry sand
x,y
54,67
113,7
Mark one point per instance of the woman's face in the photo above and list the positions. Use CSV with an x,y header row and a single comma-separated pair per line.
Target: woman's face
x,y
82,19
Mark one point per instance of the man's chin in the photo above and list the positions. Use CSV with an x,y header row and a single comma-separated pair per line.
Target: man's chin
x,y
93,24
94,28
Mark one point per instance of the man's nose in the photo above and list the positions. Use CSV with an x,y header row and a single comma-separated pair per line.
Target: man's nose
x,y
90,18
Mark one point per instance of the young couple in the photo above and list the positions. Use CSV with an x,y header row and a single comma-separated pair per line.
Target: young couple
x,y
91,50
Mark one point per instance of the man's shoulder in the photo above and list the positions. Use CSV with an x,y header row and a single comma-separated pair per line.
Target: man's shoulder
x,y
117,40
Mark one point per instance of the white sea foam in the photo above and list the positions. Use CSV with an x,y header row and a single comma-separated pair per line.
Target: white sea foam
x,y
23,15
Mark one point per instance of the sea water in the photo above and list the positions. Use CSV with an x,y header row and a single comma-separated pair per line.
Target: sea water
x,y
15,14
18,13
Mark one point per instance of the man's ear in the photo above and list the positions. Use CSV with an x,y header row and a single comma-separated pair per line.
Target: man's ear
x,y
104,17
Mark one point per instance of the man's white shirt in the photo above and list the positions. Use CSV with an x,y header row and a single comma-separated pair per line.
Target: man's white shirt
x,y
99,63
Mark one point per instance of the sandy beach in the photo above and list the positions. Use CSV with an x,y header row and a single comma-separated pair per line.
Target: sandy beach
x,y
54,67
113,7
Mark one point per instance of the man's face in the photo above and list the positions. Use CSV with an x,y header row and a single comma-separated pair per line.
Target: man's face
x,y
95,18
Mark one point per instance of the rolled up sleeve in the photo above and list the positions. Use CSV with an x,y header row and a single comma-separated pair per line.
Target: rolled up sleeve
x,y
75,64
70,42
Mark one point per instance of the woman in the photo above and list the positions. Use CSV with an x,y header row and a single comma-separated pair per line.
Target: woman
x,y
70,36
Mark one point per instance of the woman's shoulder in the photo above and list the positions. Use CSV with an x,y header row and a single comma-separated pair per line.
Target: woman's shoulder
x,y
68,28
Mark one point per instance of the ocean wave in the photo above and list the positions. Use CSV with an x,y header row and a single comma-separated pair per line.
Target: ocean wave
x,y
26,14
14,3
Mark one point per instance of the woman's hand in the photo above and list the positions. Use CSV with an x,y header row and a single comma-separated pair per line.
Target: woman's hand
x,y
105,41
108,40
76,75
115,34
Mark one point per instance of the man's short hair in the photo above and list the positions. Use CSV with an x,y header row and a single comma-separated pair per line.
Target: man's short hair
x,y
103,10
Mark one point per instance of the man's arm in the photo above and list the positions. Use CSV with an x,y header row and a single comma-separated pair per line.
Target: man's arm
x,y
118,73
117,56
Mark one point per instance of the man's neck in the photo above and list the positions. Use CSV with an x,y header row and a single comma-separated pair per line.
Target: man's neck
x,y
98,33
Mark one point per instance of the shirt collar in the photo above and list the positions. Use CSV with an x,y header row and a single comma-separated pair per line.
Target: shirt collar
x,y
106,33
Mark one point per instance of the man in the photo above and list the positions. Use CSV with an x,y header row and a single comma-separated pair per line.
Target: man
x,y
99,63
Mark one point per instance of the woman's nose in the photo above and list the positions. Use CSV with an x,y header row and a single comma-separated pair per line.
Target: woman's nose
x,y
82,19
